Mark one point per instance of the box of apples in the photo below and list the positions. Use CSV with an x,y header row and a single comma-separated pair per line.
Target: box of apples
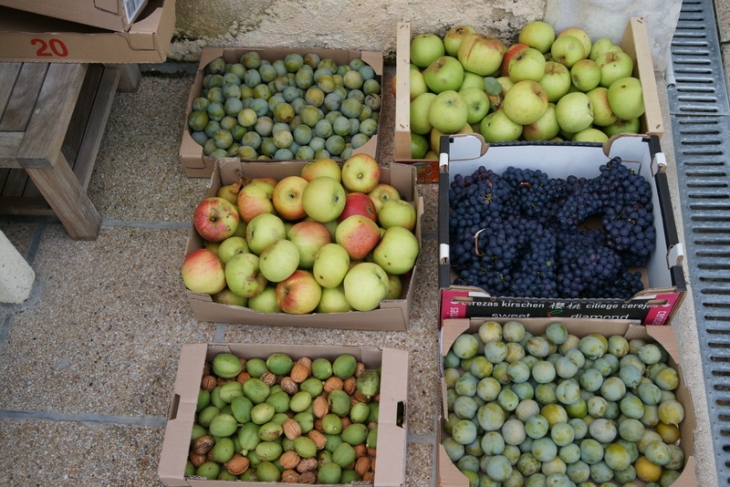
x,y
559,87
317,243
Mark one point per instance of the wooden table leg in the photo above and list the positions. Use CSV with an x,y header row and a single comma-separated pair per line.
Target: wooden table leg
x,y
129,77
63,192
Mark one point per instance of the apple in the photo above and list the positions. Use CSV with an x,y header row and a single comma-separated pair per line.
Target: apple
x,y
323,199
243,275
309,237
481,54
498,127
254,200
590,135
360,173
623,127
417,84
358,204
435,137
601,45
579,34
574,112
397,251
333,300
264,230
419,146
626,98
202,272
454,36
212,246
265,301
298,293
472,80
395,287
545,128
567,50
397,213
331,263
216,219
287,197
525,102
526,64
602,113
614,65
229,298
538,35
231,246
425,48
279,260
508,55
229,192
419,113
448,112
585,75
321,167
477,103
267,182
366,285
556,81
358,235
444,73
382,193
505,83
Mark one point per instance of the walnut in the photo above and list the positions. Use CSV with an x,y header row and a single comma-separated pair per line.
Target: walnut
x,y
289,386
368,477
290,477
203,444
359,369
307,465
197,459
209,383
359,397
332,383
299,373
309,478
306,362
237,464
360,450
292,429
269,378
362,466
350,385
289,460
320,408
243,377
318,438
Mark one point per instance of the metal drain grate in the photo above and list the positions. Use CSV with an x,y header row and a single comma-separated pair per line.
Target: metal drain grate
x,y
698,103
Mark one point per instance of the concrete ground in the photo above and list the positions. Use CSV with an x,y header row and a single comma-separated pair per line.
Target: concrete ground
x,y
88,362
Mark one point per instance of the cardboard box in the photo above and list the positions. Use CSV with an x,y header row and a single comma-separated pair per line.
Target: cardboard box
x,y
198,165
390,470
27,37
663,277
116,15
451,477
392,315
635,43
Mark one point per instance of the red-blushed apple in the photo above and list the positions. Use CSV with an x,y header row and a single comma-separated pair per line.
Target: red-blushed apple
x,y
481,54
265,301
537,34
623,127
333,300
590,135
232,246
268,182
287,197
321,167
253,200
567,50
454,36
602,45
398,213
419,113
395,287
508,55
323,199
299,293
202,272
555,81
331,263
382,193
309,237
626,97
545,128
279,260
579,34
358,204
264,230
216,219
477,103
229,192
360,173
526,64
444,73
498,127
230,298
448,113
424,48
397,251
243,275
602,113
417,82
358,235
525,102
574,112
585,75
366,285
614,65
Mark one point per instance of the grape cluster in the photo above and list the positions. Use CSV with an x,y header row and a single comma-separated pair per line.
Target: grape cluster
x,y
522,233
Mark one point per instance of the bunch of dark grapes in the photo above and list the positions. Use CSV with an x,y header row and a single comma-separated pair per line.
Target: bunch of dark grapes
x,y
521,233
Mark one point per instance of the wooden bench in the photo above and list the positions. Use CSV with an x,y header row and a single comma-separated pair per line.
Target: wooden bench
x,y
52,119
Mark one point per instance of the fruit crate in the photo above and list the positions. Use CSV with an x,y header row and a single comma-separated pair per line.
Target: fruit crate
x,y
635,43
391,315
191,157
452,328
663,278
392,428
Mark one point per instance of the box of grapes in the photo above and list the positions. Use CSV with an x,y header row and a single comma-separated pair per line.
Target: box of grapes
x,y
578,400
322,110
532,229
262,412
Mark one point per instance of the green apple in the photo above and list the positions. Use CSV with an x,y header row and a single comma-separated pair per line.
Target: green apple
x,y
448,112
330,265
323,199
623,127
366,285
481,54
525,102
419,146
590,135
232,246
321,167
505,83
419,113
279,260
555,81
397,251
417,84
579,34
425,48
229,298
472,80
574,112
567,50
614,65
382,193
527,64
477,103
395,286
444,73
602,113
602,45
497,127
454,36
264,230
243,275
545,128
397,213
626,97
538,35
585,75
265,302
333,300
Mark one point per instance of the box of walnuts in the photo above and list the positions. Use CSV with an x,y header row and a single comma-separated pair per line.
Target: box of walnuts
x,y
537,229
